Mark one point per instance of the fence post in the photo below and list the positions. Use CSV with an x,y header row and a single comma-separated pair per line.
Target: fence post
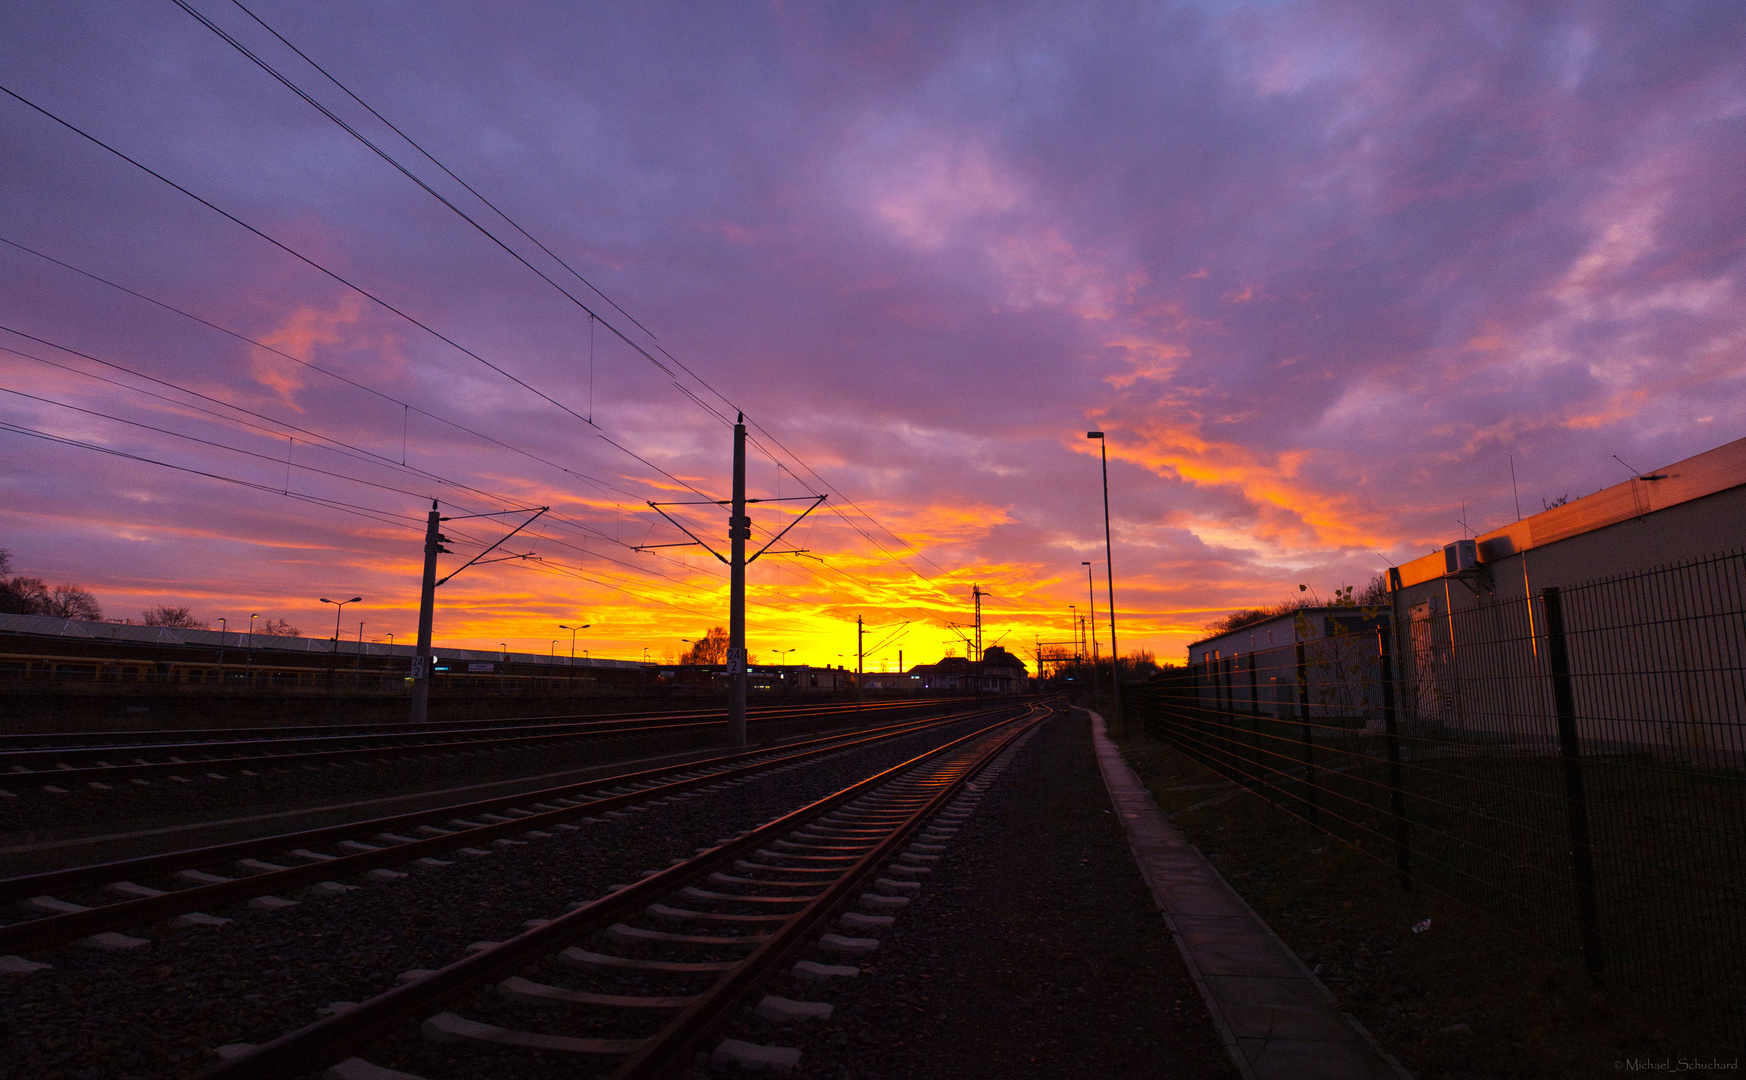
x,y
1255,722
1397,794
1575,798
1228,756
1309,741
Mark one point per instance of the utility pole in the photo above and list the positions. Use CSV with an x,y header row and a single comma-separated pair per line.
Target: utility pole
x,y
860,657
1115,656
977,594
739,531
1091,598
434,540
421,673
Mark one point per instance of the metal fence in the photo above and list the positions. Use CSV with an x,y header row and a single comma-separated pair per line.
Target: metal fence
x,y
1572,763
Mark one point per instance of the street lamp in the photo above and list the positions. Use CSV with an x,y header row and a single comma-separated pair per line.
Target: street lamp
x,y
249,665
1109,568
223,627
1091,597
573,630
572,665
338,606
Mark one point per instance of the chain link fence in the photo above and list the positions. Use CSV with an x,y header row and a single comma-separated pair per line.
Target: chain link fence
x,y
1572,763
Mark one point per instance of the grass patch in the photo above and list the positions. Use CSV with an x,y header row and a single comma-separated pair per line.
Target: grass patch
x,y
1468,997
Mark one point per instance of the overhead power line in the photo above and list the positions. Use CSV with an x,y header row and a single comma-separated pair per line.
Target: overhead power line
x,y
360,290
452,343
348,449
403,169
603,485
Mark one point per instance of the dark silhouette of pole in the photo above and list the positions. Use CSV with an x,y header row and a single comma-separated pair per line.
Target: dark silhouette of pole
x,y
573,630
1091,598
339,606
1575,796
1115,654
421,665
739,531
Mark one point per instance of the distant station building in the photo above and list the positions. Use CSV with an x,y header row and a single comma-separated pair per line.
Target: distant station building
x,y
998,672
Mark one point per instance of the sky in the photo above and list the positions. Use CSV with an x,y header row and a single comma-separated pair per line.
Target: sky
x,y
1341,282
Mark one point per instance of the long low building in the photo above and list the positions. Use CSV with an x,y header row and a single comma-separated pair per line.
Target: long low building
x,y
1314,662
40,647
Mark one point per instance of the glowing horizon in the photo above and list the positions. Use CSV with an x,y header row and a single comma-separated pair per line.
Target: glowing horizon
x,y
1336,285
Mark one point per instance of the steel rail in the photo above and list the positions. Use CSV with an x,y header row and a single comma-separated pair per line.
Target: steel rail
x,y
105,773
56,929
297,750
331,1038
94,874
669,1052
162,740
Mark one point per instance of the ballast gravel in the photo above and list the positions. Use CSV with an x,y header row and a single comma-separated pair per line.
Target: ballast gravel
x,y
162,1010
163,800
1033,951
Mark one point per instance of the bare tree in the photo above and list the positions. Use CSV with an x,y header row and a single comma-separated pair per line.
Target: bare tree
x,y
278,628
32,596
179,618
710,649
72,602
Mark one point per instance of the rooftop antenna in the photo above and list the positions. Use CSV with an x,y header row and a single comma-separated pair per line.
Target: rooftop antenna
x,y
1513,490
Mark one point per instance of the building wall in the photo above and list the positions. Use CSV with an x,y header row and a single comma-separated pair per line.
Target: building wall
x,y
1255,669
1472,644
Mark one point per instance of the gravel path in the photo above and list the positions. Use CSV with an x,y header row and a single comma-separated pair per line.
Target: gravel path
x,y
160,1010
1034,950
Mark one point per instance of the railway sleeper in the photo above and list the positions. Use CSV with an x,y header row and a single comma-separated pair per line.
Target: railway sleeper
x,y
447,1027
774,876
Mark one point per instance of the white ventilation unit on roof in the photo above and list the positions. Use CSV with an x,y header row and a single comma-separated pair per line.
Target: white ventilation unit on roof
x,y
1461,556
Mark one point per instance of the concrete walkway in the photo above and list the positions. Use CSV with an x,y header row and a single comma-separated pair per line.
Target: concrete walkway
x,y
1277,1020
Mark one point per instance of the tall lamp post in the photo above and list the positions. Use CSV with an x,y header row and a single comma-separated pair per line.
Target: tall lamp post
x,y
339,606
223,627
1115,654
782,661
1091,598
573,630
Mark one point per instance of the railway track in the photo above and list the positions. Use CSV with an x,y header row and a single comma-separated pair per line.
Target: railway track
x,y
106,898
53,768
633,984
11,741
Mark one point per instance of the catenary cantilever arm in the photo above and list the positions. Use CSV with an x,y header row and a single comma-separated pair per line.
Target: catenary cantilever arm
x,y
495,546
818,501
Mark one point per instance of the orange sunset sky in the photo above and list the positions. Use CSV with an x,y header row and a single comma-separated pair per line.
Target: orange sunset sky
x,y
1341,281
